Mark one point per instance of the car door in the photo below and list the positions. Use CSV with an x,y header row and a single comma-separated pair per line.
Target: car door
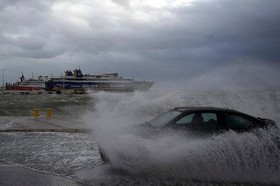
x,y
238,122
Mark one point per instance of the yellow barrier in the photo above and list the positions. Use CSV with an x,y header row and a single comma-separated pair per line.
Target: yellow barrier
x,y
36,113
49,113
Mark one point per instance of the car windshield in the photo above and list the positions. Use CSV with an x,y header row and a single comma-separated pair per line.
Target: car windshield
x,y
164,118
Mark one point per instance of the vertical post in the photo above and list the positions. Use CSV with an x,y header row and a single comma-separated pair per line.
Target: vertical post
x,y
49,113
3,79
36,113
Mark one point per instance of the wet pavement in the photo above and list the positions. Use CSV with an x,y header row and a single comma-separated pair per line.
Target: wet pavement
x,y
41,151
13,175
62,151
41,124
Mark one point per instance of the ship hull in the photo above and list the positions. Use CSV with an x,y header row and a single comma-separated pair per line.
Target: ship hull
x,y
37,87
113,86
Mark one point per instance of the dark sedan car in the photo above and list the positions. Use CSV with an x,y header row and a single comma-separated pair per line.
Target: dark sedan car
x,y
201,120
208,119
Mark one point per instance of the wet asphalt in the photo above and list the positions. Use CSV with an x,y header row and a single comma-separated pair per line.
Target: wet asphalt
x,y
13,175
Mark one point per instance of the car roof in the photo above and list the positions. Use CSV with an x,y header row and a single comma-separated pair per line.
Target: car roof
x,y
183,109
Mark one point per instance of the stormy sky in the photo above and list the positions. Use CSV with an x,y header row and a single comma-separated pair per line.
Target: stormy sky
x,y
184,43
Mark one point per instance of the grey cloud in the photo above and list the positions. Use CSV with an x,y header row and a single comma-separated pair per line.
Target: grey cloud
x,y
245,25
122,2
175,42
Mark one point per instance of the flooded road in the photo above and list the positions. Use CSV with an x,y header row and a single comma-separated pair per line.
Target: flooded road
x,y
14,175
76,156
225,159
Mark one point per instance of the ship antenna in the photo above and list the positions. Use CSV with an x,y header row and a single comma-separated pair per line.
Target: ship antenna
x,y
22,77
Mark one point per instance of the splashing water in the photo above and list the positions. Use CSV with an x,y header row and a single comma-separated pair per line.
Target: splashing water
x,y
231,157
169,159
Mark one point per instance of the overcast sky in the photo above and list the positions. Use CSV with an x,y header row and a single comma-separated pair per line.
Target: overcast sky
x,y
187,43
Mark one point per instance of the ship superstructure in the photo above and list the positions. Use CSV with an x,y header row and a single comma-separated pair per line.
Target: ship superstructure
x,y
96,82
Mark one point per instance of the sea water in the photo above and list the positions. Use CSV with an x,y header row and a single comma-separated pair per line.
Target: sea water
x,y
230,158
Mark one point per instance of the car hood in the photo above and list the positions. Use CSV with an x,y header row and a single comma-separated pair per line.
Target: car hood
x,y
268,122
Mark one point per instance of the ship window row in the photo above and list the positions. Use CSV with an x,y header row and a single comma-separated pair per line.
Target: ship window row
x,y
92,79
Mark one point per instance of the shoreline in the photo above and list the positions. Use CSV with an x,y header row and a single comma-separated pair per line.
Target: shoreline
x,y
47,130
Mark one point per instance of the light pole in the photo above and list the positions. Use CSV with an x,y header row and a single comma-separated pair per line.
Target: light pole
x,y
3,79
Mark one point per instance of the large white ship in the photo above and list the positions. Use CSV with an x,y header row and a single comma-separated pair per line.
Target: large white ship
x,y
104,82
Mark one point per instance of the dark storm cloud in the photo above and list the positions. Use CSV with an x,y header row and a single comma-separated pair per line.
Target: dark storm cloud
x,y
232,27
136,38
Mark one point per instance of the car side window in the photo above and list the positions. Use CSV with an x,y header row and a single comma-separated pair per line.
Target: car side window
x,y
186,119
212,117
237,122
206,119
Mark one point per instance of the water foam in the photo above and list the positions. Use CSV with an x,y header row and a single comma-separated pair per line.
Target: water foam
x,y
231,157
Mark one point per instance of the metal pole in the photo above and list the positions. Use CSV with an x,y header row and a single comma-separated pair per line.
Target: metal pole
x,y
3,85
